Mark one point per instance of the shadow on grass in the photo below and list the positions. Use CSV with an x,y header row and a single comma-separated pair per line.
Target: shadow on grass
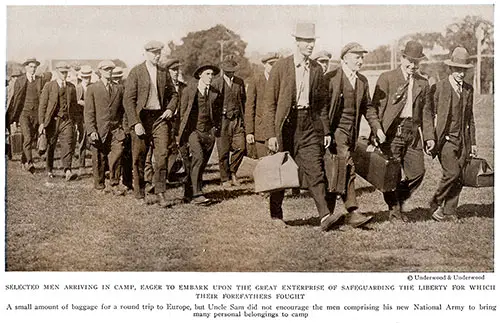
x,y
312,222
221,195
365,190
476,210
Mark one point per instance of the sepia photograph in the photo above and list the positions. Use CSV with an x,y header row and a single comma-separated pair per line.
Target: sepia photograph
x,y
249,138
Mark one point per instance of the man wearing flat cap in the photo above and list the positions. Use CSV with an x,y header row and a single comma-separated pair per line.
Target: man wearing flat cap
x,y
23,109
231,142
200,112
105,127
296,120
84,76
323,58
55,114
401,100
452,100
254,107
148,93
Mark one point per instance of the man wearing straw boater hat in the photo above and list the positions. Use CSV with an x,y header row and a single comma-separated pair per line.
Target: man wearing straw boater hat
x,y
84,76
23,109
452,99
296,120
407,120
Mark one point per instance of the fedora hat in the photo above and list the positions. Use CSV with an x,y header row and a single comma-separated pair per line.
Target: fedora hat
x,y
204,67
229,64
413,50
305,30
459,58
31,60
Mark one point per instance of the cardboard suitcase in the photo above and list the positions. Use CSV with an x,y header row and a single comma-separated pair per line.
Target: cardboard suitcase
x,y
477,173
381,171
276,172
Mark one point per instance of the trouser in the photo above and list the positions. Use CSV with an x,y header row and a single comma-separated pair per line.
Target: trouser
x,y
112,150
231,140
29,128
81,141
200,148
343,149
127,162
450,186
257,150
62,129
404,144
305,146
156,138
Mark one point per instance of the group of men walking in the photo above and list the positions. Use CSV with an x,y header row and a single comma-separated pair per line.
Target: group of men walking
x,y
295,105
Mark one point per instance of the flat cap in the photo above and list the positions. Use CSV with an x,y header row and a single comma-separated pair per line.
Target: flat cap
x,y
270,57
322,56
352,47
172,63
117,72
62,66
104,65
153,45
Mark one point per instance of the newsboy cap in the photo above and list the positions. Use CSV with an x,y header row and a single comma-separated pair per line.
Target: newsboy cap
x,y
322,56
172,63
105,65
270,57
62,66
352,47
153,45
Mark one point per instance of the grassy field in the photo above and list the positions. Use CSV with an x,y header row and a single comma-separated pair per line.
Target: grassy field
x,y
60,226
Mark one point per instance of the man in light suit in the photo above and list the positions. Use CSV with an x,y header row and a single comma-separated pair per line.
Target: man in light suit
x,y
452,100
84,76
104,123
296,120
147,98
347,99
407,120
55,114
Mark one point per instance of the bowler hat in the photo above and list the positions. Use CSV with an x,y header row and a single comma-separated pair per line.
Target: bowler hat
x,y
413,50
270,57
204,67
322,56
172,63
153,45
305,31
85,71
352,47
31,60
117,72
459,58
62,66
229,64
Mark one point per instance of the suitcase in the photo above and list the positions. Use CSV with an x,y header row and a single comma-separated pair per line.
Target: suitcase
x,y
381,171
276,172
16,143
247,167
336,172
477,173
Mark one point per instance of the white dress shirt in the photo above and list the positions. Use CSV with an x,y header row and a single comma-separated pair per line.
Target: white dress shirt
x,y
153,102
302,72
407,111
351,75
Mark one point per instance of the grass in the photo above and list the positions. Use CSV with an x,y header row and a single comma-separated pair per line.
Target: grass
x,y
60,226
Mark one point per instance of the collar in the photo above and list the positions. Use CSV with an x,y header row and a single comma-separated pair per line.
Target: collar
x,y
299,60
202,86
453,81
350,73
228,79
266,75
405,75
59,82
28,76
150,65
105,82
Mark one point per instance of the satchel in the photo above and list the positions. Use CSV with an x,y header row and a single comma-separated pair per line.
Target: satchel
x,y
336,172
276,172
41,144
477,173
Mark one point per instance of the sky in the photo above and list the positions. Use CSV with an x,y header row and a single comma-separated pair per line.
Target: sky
x,y
100,32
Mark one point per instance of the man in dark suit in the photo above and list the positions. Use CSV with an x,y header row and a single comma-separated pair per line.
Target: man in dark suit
x,y
200,112
452,100
104,123
296,120
55,114
231,140
254,107
23,109
347,99
84,77
148,91
401,99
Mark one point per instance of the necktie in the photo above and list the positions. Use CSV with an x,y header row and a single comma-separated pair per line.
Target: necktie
x,y
205,93
109,89
63,84
459,88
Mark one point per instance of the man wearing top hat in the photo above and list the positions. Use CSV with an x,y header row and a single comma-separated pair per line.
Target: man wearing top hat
x,y
148,93
200,113
347,99
84,76
295,120
452,100
55,115
407,120
323,58
231,142
254,107
105,127
23,109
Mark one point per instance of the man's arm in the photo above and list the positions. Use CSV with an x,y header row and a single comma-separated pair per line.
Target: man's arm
x,y
130,98
250,107
42,106
89,113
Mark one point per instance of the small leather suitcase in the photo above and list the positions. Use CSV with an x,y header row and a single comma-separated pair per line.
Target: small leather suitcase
x,y
247,167
477,173
336,172
16,142
381,171
276,172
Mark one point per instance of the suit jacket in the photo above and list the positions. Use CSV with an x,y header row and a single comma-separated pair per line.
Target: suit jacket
x,y
136,93
177,118
280,96
254,107
363,103
188,97
16,104
80,95
218,84
441,101
104,112
385,92
50,99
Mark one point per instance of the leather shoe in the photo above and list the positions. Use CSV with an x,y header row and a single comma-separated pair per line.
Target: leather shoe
x,y
200,200
439,216
235,180
70,176
395,215
329,220
163,201
356,219
31,168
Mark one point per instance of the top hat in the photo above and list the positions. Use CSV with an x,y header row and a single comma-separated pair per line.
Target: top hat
x,y
153,45
229,64
305,31
204,67
413,50
352,47
31,60
62,67
172,63
85,71
459,58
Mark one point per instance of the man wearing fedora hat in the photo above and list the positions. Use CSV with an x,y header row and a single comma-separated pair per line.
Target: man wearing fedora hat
x,y
231,142
407,120
148,97
84,76
200,118
347,99
55,113
295,120
323,58
23,108
254,107
452,100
